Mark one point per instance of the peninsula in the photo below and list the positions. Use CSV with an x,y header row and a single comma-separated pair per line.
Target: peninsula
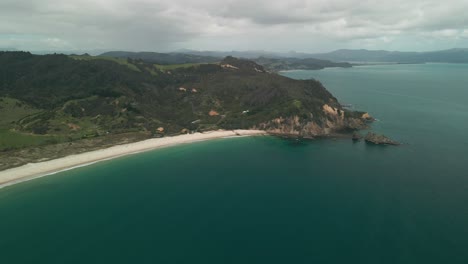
x,y
54,106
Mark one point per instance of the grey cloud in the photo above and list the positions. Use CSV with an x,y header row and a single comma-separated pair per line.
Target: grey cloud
x,y
214,24
86,23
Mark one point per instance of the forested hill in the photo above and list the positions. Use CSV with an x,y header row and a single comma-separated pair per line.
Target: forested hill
x,y
274,63
79,97
162,58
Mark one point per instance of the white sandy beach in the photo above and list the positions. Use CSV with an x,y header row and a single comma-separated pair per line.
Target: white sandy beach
x,y
35,170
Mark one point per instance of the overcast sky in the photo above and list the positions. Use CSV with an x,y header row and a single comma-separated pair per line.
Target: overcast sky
x,y
273,25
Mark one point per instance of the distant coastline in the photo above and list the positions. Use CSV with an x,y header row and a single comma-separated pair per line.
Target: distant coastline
x,y
36,170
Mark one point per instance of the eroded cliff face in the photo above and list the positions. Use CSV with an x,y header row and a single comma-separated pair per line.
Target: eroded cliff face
x,y
334,121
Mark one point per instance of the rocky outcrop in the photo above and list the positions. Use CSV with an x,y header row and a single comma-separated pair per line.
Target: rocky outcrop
x,y
356,137
333,122
367,117
332,111
376,139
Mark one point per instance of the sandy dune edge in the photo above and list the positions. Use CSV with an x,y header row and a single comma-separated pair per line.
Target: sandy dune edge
x,y
35,170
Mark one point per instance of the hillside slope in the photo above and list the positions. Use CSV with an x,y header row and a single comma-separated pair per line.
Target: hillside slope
x,y
269,60
161,58
76,99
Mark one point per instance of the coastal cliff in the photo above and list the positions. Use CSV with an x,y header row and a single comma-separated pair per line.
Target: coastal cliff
x,y
335,121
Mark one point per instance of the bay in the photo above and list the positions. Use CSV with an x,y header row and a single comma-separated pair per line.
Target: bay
x,y
269,200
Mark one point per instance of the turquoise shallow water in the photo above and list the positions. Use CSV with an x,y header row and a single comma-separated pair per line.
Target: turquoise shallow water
x,y
266,200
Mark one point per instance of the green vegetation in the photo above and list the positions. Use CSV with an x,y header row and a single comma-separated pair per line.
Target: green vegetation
x,y
133,64
175,66
297,104
121,61
161,58
58,99
10,140
13,110
284,64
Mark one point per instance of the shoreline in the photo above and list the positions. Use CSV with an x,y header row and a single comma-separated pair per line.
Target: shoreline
x,y
33,171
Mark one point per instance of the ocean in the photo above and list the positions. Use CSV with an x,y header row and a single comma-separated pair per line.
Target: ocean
x,y
269,200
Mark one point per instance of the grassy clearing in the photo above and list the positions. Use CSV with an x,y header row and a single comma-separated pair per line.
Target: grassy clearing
x,y
10,140
152,71
120,61
12,110
125,62
175,66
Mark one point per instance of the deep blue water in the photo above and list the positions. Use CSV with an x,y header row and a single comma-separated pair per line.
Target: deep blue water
x,y
267,200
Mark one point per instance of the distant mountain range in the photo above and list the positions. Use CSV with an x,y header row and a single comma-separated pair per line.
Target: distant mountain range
x,y
459,55
450,56
250,54
271,61
182,56
282,64
298,61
